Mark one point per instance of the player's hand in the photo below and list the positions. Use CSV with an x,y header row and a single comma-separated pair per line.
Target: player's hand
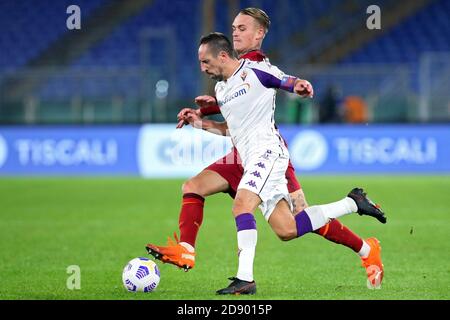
x,y
205,101
304,88
182,114
181,124
181,117
194,119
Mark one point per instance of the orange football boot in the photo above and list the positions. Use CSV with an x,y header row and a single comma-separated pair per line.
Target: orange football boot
x,y
174,253
373,264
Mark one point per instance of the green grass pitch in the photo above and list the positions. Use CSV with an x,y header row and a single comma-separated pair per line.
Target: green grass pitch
x,y
48,224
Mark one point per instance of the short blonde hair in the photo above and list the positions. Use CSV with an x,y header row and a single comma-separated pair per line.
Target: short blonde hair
x,y
259,15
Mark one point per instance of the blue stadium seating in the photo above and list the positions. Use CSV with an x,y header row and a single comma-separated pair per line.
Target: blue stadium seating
x,y
428,30
28,27
287,16
123,48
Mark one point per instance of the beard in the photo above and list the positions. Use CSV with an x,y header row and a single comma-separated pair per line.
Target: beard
x,y
217,77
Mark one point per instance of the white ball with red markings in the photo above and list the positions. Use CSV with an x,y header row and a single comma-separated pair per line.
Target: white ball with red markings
x,y
141,275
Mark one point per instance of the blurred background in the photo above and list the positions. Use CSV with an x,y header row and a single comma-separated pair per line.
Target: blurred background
x,y
86,113
135,62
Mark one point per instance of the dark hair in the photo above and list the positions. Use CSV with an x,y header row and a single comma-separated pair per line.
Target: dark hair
x,y
218,42
259,15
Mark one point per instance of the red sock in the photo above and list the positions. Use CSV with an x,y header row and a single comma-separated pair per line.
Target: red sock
x,y
340,234
191,217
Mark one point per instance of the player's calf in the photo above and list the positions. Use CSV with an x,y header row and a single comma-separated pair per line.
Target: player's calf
x,y
282,222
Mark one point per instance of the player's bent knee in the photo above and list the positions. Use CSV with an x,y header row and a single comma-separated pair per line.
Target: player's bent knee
x,y
190,187
205,183
239,206
244,204
287,234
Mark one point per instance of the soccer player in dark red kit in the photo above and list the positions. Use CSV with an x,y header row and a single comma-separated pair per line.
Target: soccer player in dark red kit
x,y
249,29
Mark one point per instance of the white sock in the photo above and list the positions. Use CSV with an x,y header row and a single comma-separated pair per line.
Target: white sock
x,y
365,250
320,215
246,244
188,247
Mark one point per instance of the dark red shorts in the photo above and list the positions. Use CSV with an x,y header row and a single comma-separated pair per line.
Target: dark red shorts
x,y
230,168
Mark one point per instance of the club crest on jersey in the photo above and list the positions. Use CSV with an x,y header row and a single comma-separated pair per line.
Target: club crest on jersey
x,y
243,75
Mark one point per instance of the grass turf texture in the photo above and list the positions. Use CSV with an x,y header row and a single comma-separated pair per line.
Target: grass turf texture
x,y
47,225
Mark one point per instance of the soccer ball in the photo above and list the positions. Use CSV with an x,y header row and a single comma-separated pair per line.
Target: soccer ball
x,y
140,274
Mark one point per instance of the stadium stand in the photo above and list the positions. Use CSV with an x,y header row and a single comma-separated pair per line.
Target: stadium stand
x,y
159,42
427,30
29,27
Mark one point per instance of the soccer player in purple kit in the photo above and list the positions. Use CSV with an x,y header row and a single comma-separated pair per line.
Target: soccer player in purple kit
x,y
249,29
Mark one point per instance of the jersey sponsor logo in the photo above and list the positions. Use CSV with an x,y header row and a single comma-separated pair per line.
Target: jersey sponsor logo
x,y
3,151
240,91
309,150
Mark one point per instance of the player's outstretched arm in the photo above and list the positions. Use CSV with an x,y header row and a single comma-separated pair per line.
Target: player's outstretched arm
x,y
205,101
296,85
287,83
304,88
185,111
219,128
207,105
181,117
